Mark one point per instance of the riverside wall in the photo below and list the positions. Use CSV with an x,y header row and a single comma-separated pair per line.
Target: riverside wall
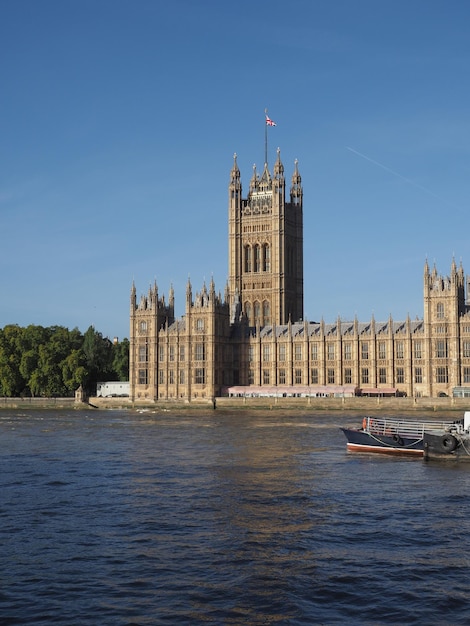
x,y
401,406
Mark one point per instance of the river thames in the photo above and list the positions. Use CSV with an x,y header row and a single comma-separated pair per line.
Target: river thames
x,y
120,518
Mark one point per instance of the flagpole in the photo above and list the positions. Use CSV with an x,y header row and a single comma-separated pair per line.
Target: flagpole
x,y
265,138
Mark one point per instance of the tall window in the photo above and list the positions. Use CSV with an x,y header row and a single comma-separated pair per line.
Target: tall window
x,y
314,352
143,378
143,354
347,351
466,374
181,353
382,375
418,375
365,376
418,349
161,377
199,324
265,377
298,352
364,350
251,354
247,259
314,376
331,352
161,353
298,376
266,258
171,377
172,353
266,354
199,353
181,377
441,349
400,375
400,350
200,376
440,311
266,313
248,313
282,352
282,377
143,327
257,311
441,375
382,350
466,348
331,376
257,259
347,376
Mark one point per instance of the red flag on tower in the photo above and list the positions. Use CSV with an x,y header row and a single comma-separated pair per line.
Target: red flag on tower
x,y
269,122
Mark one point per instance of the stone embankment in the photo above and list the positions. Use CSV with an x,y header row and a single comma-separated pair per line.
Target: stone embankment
x,y
401,406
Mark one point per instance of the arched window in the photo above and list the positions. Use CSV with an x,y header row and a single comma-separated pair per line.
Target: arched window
x,y
266,313
257,312
247,259
248,313
257,251
266,258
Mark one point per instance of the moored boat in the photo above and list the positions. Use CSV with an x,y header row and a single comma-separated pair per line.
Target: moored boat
x,y
390,436
451,443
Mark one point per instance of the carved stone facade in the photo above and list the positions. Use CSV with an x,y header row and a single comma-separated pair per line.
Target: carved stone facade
x,y
253,340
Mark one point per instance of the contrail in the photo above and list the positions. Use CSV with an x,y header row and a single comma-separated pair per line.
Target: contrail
x,y
407,180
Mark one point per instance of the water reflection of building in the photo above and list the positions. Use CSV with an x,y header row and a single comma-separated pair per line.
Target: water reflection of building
x,y
253,339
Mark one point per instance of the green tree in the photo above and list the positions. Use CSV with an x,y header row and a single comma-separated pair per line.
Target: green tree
x,y
12,382
98,353
121,359
74,372
55,361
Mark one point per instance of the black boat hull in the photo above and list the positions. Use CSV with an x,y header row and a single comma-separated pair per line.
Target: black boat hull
x,y
363,441
444,446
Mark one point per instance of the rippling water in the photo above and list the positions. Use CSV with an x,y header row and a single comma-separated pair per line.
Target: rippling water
x,y
124,518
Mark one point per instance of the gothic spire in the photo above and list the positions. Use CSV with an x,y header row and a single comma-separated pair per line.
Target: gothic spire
x,y
279,167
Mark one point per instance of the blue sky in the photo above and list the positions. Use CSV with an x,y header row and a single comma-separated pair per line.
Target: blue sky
x,y
120,119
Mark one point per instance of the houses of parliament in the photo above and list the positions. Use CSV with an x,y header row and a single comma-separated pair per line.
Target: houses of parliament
x,y
254,341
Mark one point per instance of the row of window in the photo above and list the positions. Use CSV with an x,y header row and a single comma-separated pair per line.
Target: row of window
x,y
254,314
199,325
199,353
441,350
257,258
199,376
441,376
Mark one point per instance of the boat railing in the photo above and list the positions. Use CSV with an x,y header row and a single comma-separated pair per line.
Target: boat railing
x,y
402,428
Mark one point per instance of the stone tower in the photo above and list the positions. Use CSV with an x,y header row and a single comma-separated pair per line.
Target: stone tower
x,y
266,246
146,318
444,306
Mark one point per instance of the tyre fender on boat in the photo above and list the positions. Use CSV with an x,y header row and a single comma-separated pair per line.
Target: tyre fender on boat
x,y
397,439
448,443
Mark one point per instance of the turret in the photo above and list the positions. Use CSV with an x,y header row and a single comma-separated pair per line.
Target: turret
x,y
296,192
235,186
133,302
189,295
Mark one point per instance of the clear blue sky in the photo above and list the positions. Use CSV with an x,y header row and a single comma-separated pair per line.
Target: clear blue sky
x,y
119,121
